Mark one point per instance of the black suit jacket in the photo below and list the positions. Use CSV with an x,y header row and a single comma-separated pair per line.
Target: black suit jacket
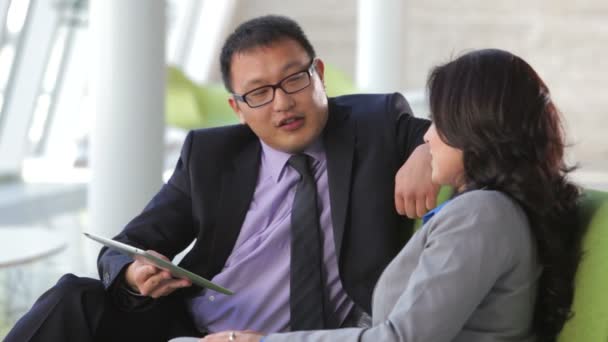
x,y
367,138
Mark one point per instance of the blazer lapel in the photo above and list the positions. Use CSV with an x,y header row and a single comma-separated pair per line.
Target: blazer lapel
x,y
339,138
237,188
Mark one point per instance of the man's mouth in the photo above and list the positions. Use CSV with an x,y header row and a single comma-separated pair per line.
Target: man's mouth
x,y
291,123
288,121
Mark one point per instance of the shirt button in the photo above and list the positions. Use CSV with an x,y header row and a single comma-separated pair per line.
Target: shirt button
x,y
211,298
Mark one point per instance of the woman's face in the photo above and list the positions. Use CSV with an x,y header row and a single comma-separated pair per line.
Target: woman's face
x,y
446,162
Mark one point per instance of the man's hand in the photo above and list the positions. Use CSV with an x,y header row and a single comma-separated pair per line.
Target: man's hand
x,y
239,336
149,280
415,193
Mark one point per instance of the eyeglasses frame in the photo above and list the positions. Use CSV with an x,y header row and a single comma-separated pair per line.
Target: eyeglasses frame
x,y
310,69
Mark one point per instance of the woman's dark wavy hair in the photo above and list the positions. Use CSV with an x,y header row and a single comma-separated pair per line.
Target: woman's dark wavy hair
x,y
495,108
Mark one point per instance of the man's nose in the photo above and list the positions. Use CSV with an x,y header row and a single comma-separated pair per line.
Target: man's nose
x,y
282,100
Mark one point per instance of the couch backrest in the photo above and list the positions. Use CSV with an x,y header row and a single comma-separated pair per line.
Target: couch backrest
x,y
590,307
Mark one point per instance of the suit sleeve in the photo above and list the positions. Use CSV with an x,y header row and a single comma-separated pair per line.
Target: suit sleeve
x,y
409,129
165,225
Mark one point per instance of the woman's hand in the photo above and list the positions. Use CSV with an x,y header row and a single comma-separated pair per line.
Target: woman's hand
x,y
237,336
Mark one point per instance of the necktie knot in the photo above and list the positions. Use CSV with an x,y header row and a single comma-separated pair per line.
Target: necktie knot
x,y
301,163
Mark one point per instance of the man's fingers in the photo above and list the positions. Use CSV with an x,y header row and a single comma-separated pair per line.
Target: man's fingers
x,y
413,183
152,284
158,255
143,273
144,276
152,280
138,273
410,208
167,286
420,206
415,207
163,284
431,201
404,205
399,204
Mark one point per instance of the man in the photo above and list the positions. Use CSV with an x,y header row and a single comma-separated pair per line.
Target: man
x,y
306,180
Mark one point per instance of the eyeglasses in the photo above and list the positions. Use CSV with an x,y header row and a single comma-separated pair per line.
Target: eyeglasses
x,y
290,85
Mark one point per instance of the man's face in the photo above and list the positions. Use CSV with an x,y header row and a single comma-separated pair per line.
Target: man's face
x,y
291,122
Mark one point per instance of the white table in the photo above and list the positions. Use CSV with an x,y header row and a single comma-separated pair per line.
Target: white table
x,y
22,245
27,203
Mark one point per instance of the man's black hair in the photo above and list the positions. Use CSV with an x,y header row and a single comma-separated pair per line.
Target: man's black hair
x,y
260,31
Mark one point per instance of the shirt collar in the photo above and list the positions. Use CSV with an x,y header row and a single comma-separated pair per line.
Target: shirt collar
x,y
275,160
432,213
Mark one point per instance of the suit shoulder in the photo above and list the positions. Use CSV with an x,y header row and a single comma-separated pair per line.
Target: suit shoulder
x,y
365,103
222,132
487,199
221,138
492,210
374,115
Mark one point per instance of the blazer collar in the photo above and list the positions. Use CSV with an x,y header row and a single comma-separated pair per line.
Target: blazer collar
x,y
237,187
339,139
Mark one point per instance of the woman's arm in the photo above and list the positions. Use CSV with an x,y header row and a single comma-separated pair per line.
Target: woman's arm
x,y
468,246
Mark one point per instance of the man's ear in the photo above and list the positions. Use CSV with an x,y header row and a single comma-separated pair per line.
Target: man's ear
x,y
320,69
237,110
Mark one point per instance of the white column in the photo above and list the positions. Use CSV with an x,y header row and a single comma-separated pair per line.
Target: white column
x,y
128,91
380,42
28,70
212,24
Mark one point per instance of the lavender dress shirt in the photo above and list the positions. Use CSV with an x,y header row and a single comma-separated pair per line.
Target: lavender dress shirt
x,y
257,270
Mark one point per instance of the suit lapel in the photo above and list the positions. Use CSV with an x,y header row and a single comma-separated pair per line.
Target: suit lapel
x,y
237,188
339,138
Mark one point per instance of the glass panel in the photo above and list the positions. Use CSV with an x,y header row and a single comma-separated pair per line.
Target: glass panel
x,y
72,18
7,55
53,67
41,113
16,16
10,35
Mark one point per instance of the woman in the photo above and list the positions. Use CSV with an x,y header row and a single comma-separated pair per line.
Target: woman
x,y
497,262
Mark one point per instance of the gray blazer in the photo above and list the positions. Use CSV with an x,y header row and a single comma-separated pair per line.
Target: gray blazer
x,y
469,274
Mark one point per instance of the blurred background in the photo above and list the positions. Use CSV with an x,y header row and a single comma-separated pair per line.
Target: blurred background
x,y
97,96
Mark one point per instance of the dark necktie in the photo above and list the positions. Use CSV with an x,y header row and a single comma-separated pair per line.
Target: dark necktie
x,y
306,293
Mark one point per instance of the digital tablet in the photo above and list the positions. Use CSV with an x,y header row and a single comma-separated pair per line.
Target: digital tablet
x,y
175,270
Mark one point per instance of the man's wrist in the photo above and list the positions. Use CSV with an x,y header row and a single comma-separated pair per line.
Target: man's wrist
x,y
126,287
